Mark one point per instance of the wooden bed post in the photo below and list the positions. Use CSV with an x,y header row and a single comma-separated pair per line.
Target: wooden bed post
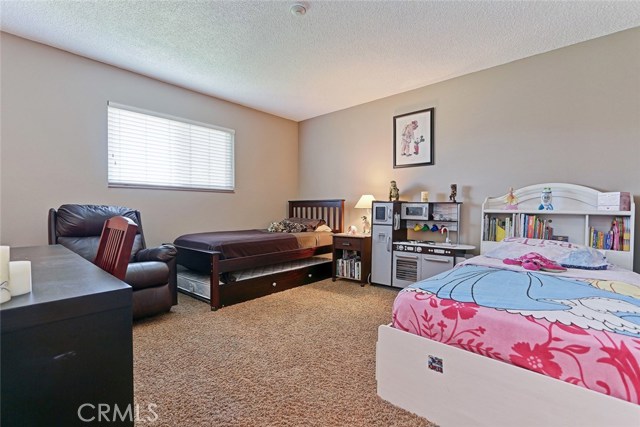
x,y
215,282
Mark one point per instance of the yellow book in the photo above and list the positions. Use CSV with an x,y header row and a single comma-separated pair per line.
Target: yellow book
x,y
500,233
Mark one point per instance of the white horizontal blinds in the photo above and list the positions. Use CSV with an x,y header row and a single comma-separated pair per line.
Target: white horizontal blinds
x,y
150,150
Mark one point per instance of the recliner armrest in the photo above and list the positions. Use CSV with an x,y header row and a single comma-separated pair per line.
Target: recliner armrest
x,y
165,253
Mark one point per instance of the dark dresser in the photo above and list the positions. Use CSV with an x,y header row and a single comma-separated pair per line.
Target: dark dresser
x,y
66,347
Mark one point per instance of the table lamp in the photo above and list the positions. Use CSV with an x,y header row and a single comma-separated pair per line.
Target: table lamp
x,y
365,203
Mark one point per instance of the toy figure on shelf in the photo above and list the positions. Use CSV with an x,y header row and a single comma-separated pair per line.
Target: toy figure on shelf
x,y
512,200
366,225
545,198
394,192
454,192
352,231
615,230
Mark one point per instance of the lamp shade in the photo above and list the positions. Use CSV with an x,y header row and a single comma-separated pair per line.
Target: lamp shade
x,y
365,202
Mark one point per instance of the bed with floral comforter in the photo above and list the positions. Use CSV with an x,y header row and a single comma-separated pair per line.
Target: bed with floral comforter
x,y
580,326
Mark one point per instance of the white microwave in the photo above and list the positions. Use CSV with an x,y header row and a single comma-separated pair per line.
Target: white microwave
x,y
383,213
415,211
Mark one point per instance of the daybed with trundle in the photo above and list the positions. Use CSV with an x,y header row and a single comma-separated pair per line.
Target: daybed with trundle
x,y
225,267
494,343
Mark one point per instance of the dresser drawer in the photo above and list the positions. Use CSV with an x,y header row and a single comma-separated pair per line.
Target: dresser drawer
x,y
348,243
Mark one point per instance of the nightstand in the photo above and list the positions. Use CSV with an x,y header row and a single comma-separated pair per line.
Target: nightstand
x,y
352,257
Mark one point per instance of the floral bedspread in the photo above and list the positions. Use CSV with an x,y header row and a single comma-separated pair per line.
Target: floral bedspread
x,y
585,332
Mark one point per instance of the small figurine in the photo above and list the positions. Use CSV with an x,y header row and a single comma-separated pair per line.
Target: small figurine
x,y
394,192
366,225
512,200
616,235
352,231
454,192
545,198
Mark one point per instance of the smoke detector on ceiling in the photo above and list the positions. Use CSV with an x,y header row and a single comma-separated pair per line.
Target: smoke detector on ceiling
x,y
298,9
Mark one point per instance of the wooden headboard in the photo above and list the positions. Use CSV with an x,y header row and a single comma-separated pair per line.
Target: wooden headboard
x,y
331,210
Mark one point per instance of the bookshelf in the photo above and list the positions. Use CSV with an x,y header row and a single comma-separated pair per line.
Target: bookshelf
x,y
352,257
575,217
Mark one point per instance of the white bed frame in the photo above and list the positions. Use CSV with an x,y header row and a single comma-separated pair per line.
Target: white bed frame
x,y
477,391
474,390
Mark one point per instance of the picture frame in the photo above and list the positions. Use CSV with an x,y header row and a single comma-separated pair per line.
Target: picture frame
x,y
413,139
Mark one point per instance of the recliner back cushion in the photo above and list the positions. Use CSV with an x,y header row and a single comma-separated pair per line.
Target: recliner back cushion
x,y
86,247
87,220
78,227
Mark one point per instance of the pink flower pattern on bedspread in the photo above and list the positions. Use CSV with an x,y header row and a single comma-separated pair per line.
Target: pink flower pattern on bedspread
x,y
600,360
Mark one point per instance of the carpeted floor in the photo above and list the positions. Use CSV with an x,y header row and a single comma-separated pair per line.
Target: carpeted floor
x,y
302,357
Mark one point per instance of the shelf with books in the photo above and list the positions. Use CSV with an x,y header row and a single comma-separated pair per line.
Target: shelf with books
x,y
574,219
351,257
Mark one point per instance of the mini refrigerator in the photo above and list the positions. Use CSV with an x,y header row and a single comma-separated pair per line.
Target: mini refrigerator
x,y
386,227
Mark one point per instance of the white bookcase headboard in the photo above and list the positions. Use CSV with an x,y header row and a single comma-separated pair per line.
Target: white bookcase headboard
x,y
575,215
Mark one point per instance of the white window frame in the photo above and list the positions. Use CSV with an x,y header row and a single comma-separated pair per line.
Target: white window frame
x,y
188,170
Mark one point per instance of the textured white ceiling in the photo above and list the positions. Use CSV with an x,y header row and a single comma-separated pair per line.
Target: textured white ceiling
x,y
340,54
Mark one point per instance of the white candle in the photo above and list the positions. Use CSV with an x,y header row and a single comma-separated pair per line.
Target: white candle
x,y
19,277
4,263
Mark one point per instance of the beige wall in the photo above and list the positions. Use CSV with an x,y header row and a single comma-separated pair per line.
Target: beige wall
x,y
53,148
570,115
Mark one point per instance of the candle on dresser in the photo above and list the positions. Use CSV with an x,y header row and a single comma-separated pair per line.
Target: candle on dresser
x,y
5,295
19,277
4,264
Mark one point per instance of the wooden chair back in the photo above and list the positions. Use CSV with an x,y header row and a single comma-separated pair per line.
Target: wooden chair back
x,y
116,242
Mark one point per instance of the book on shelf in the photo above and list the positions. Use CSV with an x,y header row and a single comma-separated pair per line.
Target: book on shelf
x,y
520,225
626,235
349,265
617,238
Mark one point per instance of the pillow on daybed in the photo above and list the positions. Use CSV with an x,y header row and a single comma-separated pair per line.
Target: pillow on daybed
x,y
286,226
310,224
566,254
324,228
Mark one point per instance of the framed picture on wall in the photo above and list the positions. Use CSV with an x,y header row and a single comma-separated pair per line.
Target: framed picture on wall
x,y
413,139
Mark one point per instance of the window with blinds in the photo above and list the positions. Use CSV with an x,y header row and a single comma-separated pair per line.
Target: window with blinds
x,y
151,150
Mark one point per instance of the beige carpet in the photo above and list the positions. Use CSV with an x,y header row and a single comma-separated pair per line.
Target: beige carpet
x,y
303,357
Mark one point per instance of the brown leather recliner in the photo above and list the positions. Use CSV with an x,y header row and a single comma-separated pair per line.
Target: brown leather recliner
x,y
151,272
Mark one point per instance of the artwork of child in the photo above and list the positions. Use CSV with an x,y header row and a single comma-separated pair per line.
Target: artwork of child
x,y
416,148
407,137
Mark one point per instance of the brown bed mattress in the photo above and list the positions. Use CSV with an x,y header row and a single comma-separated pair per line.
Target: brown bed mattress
x,y
241,243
